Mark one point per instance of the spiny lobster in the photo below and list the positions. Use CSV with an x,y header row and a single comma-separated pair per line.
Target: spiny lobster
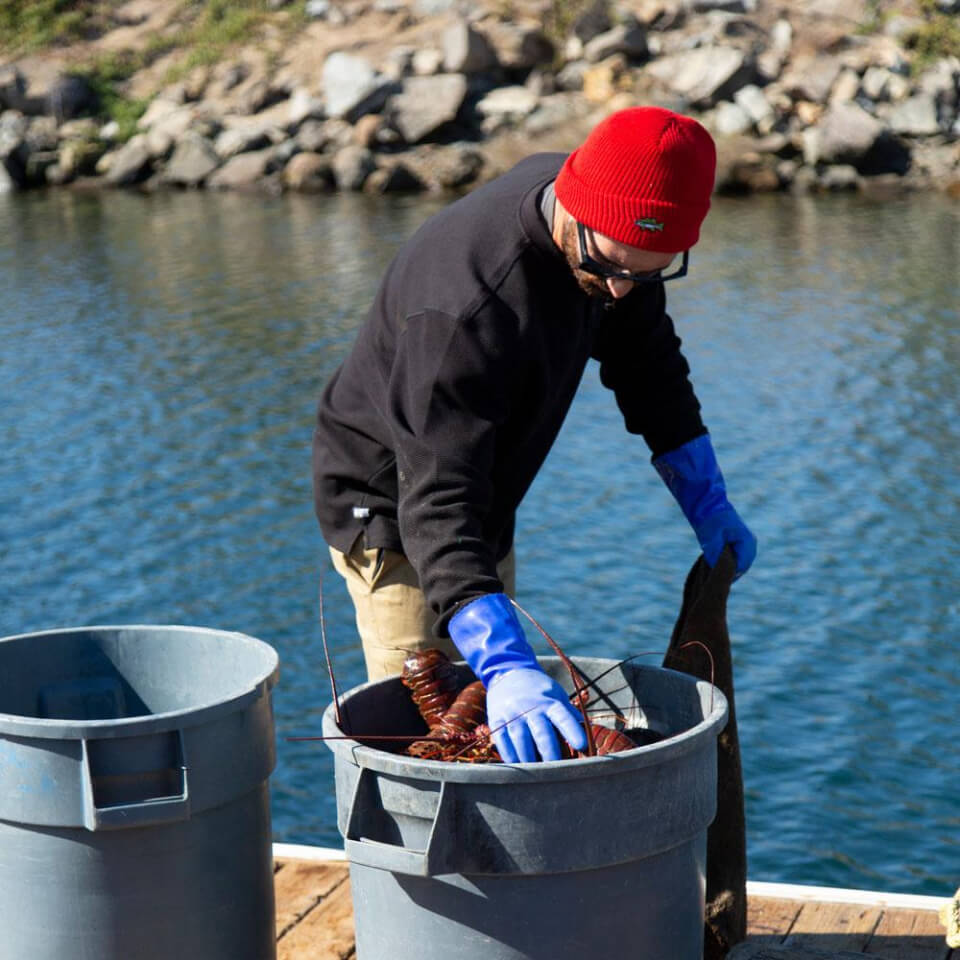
x,y
457,718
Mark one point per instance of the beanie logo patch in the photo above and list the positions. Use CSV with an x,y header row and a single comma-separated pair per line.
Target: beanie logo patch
x,y
649,223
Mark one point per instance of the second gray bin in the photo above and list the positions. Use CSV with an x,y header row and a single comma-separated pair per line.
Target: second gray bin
x,y
601,857
134,805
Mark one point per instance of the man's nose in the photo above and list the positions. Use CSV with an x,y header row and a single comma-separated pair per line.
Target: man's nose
x,y
619,287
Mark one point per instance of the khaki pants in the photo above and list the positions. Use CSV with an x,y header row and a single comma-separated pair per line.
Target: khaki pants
x,y
393,618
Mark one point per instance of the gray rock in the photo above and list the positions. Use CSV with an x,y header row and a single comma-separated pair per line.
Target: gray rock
x,y
13,88
466,50
7,183
511,103
900,26
949,7
158,109
726,6
519,47
243,170
942,82
845,133
592,22
730,119
846,87
351,167
159,144
454,166
629,40
875,83
84,128
303,105
840,177
110,131
704,76
751,99
14,151
71,96
916,117
570,76
260,95
131,164
426,103
309,173
805,180
430,8
193,160
553,112
312,137
236,140
351,87
395,177
426,61
42,134
811,78
781,36
325,10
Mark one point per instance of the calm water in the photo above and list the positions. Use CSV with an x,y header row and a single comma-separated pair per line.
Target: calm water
x,y
159,363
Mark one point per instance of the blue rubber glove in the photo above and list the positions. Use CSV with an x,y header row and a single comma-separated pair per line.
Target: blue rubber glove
x,y
523,703
692,475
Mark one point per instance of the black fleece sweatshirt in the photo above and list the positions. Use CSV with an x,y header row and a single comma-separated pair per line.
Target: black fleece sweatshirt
x,y
431,431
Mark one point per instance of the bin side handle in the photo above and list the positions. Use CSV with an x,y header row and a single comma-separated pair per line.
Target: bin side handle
x,y
388,856
148,812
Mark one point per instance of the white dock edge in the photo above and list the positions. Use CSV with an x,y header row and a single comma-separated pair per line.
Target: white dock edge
x,y
755,888
873,898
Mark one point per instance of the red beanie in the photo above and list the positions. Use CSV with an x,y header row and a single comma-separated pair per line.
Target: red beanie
x,y
643,176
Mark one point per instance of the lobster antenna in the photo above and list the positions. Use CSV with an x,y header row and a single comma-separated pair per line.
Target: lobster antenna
x,y
706,650
326,653
579,686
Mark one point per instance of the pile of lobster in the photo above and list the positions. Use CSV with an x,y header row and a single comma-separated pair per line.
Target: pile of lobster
x,y
457,716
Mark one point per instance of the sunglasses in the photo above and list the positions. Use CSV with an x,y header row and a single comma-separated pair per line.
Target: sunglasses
x,y
609,271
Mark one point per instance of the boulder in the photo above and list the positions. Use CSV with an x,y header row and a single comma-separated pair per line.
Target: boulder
x,y
630,40
13,88
847,134
130,164
351,166
811,78
42,134
508,103
78,158
602,82
352,87
236,140
846,87
750,173
71,95
14,151
704,76
426,103
193,160
916,117
260,95
242,171
312,137
466,50
303,105
426,61
157,110
519,47
840,176
730,119
395,177
159,144
7,183
309,173
448,167
751,99
592,22
875,83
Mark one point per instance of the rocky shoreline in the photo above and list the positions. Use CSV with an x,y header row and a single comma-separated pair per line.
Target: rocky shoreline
x,y
406,95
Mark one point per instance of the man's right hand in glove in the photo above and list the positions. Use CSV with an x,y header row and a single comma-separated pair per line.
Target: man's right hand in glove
x,y
523,703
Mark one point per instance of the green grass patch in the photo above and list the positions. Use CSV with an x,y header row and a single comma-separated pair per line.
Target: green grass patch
x,y
29,25
107,75
938,37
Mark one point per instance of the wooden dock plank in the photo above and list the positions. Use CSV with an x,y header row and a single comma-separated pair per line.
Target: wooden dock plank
x,y
834,926
770,919
324,933
909,935
300,886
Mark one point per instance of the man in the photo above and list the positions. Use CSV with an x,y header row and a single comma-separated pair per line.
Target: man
x,y
431,432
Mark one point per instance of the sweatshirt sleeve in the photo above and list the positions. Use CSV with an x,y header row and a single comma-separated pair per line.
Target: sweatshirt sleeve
x,y
448,393
641,362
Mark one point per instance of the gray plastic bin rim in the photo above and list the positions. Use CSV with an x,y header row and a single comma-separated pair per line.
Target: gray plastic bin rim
x,y
15,725
678,745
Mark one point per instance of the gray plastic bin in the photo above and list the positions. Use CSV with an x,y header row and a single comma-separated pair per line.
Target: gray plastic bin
x,y
134,804
601,857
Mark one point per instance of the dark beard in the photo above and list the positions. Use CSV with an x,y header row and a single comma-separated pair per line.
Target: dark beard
x,y
591,285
